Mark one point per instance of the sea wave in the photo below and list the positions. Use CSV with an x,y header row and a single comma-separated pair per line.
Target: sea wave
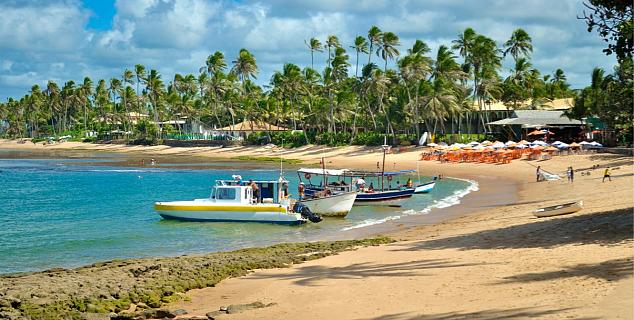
x,y
445,202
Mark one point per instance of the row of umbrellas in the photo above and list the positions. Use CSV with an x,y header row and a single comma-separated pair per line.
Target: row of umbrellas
x,y
537,144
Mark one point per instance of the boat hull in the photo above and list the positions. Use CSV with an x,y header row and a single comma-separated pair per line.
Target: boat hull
x,y
201,211
567,208
383,196
425,187
337,205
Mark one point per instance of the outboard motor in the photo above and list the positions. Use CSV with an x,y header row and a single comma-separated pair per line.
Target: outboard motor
x,y
305,212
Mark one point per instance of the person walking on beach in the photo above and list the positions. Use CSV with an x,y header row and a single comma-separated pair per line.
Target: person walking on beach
x,y
606,174
538,172
569,174
572,175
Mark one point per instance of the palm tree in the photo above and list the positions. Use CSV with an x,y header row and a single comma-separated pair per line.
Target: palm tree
x,y
387,47
140,73
374,37
331,43
519,44
127,79
244,66
360,46
313,45
438,102
214,64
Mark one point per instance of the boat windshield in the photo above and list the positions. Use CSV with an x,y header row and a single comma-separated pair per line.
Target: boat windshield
x,y
224,193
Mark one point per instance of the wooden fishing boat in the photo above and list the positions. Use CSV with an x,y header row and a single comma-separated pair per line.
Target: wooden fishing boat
x,y
561,209
336,204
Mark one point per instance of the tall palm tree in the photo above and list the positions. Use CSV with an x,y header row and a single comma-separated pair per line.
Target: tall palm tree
x,y
214,64
245,66
360,46
374,38
313,45
141,74
127,80
519,45
387,47
331,43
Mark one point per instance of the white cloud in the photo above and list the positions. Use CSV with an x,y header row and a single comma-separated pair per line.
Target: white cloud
x,y
177,35
55,27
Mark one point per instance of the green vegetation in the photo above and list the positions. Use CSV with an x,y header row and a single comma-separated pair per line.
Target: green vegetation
x,y
350,101
154,282
610,97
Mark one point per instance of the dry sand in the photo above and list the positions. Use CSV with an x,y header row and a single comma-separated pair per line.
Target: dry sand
x,y
498,263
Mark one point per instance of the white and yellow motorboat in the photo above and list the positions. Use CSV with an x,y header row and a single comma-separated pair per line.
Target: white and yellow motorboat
x,y
234,200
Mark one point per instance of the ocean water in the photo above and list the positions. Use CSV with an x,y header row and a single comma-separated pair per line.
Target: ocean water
x,y
72,212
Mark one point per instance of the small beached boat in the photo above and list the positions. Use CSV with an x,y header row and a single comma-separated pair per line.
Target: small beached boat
x,y
557,210
425,187
335,200
234,200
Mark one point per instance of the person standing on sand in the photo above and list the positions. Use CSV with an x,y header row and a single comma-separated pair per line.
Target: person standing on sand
x,y
606,174
538,172
572,175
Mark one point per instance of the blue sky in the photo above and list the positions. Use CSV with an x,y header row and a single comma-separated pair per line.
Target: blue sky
x,y
62,40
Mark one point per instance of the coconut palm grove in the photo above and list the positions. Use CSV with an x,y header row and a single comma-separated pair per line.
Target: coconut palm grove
x,y
358,98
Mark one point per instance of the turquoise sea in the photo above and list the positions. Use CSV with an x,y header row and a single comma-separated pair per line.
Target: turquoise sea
x,y
69,212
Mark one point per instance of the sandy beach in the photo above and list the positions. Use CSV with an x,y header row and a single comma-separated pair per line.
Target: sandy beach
x,y
500,262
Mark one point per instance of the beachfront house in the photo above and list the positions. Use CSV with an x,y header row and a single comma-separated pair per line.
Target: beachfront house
x,y
245,128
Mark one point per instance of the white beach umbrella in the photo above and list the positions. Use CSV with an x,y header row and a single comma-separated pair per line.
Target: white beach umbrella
x,y
510,142
521,146
498,145
584,143
473,143
556,143
562,145
432,144
595,144
539,143
443,144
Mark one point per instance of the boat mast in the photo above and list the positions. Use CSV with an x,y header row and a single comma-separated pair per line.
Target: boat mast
x,y
383,166
323,167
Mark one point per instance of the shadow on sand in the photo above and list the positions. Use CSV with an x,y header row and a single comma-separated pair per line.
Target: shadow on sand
x,y
611,270
494,314
308,275
603,228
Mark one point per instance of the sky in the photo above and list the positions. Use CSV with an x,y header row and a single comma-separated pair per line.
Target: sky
x,y
63,40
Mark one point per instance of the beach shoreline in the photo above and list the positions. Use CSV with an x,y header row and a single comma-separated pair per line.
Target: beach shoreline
x,y
497,260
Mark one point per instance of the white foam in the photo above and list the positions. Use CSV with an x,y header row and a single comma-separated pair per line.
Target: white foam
x,y
445,202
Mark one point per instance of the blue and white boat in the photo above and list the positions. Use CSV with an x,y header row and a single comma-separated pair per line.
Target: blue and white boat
x,y
363,182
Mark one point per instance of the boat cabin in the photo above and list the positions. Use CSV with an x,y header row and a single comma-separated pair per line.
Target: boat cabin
x,y
269,191
346,180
